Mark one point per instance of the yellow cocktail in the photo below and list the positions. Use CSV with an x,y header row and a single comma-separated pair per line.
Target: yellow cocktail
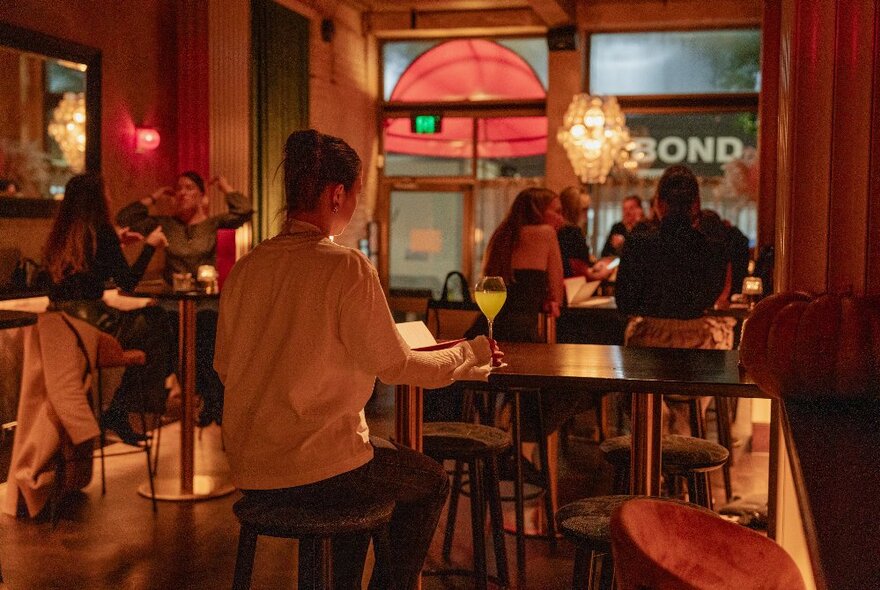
x,y
490,302
490,293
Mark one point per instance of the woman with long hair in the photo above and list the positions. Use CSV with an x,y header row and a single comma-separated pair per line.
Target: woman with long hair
x,y
524,251
670,273
300,365
82,253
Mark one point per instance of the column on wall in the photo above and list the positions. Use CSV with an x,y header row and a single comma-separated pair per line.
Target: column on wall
x,y
827,166
827,129
192,83
213,95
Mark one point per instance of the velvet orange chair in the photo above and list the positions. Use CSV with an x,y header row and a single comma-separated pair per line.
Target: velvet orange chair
x,y
667,546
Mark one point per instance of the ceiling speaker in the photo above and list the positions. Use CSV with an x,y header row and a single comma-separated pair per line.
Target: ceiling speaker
x,y
562,38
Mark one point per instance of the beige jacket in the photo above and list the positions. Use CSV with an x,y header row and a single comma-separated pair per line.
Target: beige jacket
x,y
53,409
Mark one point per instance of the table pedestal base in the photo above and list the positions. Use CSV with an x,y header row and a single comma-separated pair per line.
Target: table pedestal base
x,y
205,487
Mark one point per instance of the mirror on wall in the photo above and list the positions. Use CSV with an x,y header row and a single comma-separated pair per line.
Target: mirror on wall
x,y
50,130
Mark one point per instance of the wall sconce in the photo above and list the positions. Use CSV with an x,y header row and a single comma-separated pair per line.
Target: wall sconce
x,y
146,139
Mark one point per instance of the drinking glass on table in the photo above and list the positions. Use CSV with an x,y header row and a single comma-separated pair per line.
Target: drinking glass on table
x,y
490,294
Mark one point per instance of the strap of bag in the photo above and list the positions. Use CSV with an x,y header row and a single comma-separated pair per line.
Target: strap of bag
x,y
465,288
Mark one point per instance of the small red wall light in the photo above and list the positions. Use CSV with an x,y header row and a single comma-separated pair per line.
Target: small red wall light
x,y
146,139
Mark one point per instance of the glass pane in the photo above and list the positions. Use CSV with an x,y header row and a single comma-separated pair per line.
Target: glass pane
x,y
719,147
511,147
706,142
448,153
464,69
679,62
425,236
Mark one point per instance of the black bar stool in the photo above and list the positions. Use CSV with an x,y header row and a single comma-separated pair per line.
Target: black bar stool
x,y
587,524
478,447
683,456
314,527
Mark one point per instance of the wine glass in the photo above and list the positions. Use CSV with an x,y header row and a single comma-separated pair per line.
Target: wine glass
x,y
490,294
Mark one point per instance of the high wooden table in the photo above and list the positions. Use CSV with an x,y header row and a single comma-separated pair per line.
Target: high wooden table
x,y
645,372
188,486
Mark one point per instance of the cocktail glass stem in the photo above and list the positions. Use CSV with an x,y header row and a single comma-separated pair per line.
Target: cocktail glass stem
x,y
490,328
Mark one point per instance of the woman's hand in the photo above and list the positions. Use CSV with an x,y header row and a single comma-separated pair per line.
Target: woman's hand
x,y
126,236
600,271
222,184
157,238
497,354
159,193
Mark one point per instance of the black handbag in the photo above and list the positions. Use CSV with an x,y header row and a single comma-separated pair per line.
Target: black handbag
x,y
450,316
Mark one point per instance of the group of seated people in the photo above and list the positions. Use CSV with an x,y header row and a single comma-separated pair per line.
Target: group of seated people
x,y
84,251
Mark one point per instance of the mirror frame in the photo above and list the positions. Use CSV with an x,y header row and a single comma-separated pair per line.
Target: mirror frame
x,y
33,42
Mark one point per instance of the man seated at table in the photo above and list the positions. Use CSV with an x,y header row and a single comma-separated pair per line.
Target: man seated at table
x,y
633,213
670,273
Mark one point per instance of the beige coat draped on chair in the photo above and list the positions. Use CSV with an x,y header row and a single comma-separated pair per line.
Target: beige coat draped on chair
x,y
54,412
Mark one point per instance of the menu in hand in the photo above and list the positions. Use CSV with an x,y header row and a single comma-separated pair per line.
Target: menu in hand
x,y
419,337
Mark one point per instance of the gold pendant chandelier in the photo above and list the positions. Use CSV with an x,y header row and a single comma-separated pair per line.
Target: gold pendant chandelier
x,y
595,137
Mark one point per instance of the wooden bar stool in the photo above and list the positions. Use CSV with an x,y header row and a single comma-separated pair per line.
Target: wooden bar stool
x,y
314,527
587,524
664,546
683,456
478,447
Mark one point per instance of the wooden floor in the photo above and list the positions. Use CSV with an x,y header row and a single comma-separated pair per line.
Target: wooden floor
x,y
116,542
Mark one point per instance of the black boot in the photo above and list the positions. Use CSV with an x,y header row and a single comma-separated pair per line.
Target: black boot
x,y
116,419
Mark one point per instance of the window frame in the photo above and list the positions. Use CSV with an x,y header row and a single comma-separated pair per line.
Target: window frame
x,y
468,183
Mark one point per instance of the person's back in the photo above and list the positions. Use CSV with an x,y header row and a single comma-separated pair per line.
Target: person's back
x,y
669,271
304,330
524,251
318,406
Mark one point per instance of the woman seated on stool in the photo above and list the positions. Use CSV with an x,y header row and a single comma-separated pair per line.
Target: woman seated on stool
x,y
82,253
303,332
192,242
670,274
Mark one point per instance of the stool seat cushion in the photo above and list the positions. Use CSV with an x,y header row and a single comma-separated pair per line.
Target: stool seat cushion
x,y
461,440
353,514
680,453
587,522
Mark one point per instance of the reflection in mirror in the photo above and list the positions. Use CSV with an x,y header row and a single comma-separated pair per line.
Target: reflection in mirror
x,y
43,135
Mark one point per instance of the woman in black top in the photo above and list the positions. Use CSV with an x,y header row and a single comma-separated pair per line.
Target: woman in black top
x,y
82,253
576,259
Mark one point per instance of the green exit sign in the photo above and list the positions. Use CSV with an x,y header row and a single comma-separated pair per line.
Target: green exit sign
x,y
426,123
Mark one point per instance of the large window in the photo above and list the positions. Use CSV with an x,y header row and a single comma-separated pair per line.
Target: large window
x,y
486,132
690,97
676,62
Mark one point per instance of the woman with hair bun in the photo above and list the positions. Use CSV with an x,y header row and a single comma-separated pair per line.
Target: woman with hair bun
x,y
304,331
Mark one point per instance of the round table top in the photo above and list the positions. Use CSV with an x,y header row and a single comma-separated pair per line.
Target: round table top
x,y
16,319
164,291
